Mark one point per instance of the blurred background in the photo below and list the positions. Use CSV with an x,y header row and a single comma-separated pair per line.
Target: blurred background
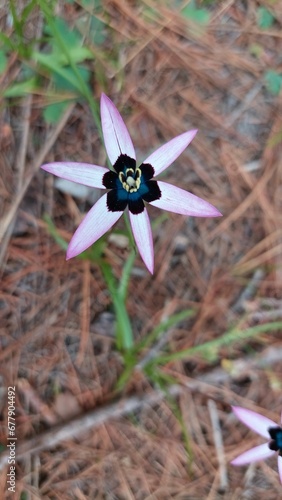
x,y
169,66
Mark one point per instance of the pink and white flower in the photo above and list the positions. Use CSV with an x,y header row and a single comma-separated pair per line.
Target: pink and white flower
x,y
129,186
265,428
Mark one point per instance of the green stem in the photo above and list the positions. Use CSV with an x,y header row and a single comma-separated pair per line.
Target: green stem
x,y
124,335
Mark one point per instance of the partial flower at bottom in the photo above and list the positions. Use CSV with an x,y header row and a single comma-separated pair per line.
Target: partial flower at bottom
x,y
265,428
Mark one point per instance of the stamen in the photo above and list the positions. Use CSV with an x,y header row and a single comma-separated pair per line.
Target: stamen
x,y
131,180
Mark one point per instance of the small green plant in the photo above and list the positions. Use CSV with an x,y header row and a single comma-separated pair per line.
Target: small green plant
x,y
57,64
273,81
196,14
264,18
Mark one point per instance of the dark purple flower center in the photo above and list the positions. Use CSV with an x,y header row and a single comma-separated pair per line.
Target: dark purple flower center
x,y
276,439
130,185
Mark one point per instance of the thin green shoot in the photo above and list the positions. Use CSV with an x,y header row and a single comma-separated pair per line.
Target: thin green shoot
x,y
84,89
212,348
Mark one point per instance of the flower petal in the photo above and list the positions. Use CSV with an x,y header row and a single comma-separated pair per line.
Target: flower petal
x,y
254,421
280,468
141,229
182,202
96,223
255,454
116,136
82,173
166,154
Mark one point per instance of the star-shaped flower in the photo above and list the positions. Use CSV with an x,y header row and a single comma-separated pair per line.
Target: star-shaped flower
x,y
129,186
265,428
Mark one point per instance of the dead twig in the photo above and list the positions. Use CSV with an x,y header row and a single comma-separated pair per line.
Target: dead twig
x,y
20,163
8,218
249,291
218,441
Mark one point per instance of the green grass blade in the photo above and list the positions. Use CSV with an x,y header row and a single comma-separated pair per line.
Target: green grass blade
x,y
228,339
7,42
52,230
162,327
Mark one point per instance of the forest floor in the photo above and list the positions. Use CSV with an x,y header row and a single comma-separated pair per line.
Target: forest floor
x,y
78,437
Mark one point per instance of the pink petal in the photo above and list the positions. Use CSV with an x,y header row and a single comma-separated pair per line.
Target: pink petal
x,y
166,154
280,468
96,223
182,202
141,229
260,452
254,421
116,136
82,173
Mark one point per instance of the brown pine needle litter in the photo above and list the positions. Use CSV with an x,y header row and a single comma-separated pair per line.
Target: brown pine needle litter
x,y
77,436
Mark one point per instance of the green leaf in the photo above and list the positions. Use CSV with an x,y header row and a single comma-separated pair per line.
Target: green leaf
x,y
7,42
54,112
15,19
27,11
77,54
265,18
68,79
24,495
273,81
70,36
3,61
91,3
210,2
192,13
63,47
21,89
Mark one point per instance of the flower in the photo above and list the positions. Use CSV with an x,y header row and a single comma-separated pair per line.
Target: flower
x,y
129,186
265,428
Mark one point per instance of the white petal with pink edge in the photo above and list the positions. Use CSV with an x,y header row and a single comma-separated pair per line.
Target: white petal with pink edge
x,y
96,223
182,202
164,156
116,136
280,468
260,452
141,229
82,173
254,421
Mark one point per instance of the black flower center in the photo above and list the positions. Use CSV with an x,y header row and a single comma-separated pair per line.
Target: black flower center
x,y
276,439
130,185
